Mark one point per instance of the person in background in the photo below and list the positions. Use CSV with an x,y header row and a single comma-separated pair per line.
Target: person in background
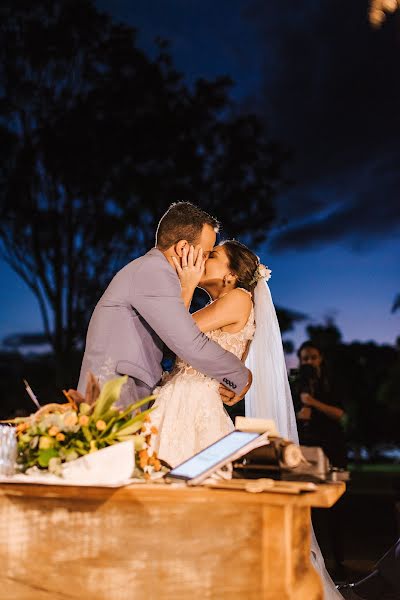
x,y
319,399
320,402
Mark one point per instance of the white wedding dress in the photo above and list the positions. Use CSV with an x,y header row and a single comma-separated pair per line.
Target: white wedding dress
x,y
188,411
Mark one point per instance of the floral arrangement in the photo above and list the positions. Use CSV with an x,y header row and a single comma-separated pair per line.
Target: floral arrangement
x,y
262,272
59,433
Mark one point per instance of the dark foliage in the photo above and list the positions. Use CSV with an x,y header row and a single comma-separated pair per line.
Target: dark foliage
x,y
96,140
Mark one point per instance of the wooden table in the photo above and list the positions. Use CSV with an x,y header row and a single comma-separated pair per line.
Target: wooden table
x,y
154,542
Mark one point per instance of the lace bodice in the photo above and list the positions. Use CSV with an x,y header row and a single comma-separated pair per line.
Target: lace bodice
x,y
233,342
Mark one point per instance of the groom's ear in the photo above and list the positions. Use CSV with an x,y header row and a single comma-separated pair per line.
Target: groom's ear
x,y
179,246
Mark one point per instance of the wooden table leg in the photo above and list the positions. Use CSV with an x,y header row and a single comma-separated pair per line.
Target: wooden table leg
x,y
288,543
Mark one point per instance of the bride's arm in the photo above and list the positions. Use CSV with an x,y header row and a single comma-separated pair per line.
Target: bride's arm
x,y
232,309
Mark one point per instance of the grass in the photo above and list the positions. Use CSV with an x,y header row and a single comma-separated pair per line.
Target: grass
x,y
375,468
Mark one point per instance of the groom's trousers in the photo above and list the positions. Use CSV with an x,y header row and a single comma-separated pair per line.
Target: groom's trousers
x,y
132,391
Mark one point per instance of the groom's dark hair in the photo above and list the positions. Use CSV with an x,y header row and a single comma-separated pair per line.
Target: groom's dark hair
x,y
182,221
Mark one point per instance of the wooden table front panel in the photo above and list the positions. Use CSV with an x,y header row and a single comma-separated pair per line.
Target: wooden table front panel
x,y
154,544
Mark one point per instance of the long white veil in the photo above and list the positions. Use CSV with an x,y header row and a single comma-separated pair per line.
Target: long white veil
x,y
270,397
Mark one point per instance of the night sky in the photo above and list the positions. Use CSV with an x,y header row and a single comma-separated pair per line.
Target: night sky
x,y
328,87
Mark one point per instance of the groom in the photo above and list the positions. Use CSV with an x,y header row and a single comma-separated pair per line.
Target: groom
x,y
142,309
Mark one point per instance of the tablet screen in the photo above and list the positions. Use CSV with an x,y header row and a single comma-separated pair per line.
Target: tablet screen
x,y
212,455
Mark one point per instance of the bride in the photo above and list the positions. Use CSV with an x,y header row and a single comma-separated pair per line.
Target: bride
x,y
188,412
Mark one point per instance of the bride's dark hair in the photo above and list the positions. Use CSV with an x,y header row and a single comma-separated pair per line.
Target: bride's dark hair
x,y
242,262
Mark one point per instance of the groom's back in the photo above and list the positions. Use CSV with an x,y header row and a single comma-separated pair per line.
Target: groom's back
x,y
119,340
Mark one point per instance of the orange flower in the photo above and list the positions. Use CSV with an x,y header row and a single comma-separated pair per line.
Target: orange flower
x,y
60,437
153,460
101,425
83,420
53,430
21,427
143,458
154,430
146,419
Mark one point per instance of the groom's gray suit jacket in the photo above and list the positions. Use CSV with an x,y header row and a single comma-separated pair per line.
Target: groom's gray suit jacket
x,y
142,308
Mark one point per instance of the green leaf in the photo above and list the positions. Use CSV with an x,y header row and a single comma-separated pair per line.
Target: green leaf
x,y
113,413
140,416
109,394
137,419
140,403
87,434
45,456
126,438
82,451
133,428
135,406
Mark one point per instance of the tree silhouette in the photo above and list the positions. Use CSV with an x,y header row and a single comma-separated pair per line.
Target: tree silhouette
x,y
287,320
327,336
389,391
97,139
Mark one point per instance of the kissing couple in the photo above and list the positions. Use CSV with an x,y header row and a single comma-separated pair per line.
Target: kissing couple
x,y
146,306
230,349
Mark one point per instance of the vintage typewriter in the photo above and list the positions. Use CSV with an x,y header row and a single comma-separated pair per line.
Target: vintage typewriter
x,y
283,459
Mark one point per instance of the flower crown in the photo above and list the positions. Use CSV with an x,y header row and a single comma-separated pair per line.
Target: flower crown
x,y
262,272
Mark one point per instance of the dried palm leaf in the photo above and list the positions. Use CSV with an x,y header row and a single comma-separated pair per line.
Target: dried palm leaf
x,y
76,397
92,389
70,400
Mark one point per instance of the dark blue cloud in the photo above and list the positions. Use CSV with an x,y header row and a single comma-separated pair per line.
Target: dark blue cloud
x,y
327,85
331,91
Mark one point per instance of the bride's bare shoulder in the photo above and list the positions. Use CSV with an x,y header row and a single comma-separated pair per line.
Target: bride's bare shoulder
x,y
240,300
229,312
240,295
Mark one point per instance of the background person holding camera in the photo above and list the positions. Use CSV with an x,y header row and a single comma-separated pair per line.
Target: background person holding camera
x,y
319,399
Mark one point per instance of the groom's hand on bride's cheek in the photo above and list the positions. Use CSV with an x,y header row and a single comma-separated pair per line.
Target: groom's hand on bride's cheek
x,y
230,398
